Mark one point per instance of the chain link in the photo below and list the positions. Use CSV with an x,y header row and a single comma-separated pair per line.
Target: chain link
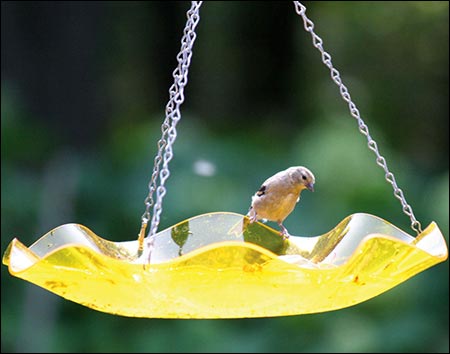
x,y
363,128
168,128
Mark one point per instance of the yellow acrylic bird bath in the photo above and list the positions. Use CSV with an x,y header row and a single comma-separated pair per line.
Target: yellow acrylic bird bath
x,y
218,265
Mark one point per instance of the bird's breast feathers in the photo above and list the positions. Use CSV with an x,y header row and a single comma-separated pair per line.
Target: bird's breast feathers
x,y
274,205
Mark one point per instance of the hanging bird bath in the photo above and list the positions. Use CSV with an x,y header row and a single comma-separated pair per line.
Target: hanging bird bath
x,y
219,265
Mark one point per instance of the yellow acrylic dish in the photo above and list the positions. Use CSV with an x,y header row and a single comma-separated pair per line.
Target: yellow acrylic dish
x,y
217,265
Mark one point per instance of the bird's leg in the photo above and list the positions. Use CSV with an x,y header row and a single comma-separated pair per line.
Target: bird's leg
x,y
284,232
252,215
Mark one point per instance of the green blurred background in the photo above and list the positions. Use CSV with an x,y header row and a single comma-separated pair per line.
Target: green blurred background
x,y
83,91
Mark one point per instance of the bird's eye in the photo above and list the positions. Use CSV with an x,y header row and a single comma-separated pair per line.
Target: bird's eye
x,y
304,177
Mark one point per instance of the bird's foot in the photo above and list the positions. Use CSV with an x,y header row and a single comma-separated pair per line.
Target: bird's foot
x,y
284,232
252,217
285,236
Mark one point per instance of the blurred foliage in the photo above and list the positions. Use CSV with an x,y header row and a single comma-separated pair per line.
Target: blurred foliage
x,y
84,87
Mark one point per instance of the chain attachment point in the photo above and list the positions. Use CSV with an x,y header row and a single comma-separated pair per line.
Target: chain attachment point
x,y
141,238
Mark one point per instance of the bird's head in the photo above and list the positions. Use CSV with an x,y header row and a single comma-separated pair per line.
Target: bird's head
x,y
302,177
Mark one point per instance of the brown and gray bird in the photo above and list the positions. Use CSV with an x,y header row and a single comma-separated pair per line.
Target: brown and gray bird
x,y
277,197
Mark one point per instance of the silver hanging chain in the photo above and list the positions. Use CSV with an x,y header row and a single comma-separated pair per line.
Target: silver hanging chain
x,y
168,128
335,75
173,115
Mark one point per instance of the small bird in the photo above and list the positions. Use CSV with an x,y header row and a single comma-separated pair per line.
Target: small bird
x,y
277,197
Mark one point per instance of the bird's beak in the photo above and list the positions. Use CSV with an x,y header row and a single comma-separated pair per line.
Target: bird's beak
x,y
310,187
